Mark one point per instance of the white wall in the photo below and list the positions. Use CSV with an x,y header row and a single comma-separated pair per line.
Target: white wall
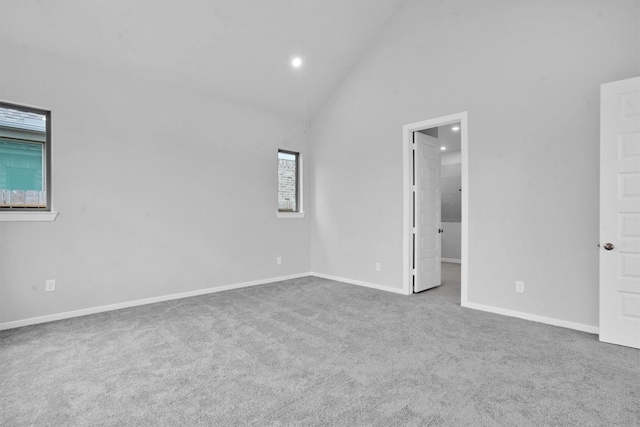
x,y
142,168
160,189
528,73
451,241
454,158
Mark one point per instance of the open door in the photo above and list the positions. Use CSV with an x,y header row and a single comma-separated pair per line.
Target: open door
x,y
620,213
427,226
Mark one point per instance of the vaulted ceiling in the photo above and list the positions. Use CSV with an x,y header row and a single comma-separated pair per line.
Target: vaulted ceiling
x,y
235,49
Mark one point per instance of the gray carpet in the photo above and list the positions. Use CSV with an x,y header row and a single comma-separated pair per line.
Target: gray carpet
x,y
314,352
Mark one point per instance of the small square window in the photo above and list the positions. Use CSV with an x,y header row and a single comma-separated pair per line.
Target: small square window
x,y
25,158
288,181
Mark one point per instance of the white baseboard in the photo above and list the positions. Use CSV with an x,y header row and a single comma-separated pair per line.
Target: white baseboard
x,y
534,318
152,300
453,260
359,283
118,306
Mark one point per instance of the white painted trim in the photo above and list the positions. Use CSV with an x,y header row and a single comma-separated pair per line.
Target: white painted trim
x,y
453,260
407,251
22,104
290,214
27,216
464,226
533,317
359,283
127,304
152,300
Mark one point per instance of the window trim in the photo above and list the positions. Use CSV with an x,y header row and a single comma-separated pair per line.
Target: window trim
x,y
290,214
29,216
299,189
34,214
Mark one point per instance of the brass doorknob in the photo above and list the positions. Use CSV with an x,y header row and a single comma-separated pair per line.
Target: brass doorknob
x,y
608,246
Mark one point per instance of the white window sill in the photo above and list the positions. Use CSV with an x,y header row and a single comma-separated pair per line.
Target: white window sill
x,y
290,214
27,216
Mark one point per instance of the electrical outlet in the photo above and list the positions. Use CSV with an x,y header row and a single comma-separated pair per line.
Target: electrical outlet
x,y
50,285
279,260
378,266
520,287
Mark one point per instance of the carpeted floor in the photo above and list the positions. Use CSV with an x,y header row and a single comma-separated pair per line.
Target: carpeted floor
x,y
311,352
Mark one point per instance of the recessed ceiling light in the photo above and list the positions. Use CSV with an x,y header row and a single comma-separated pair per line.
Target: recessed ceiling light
x,y
455,128
443,148
296,62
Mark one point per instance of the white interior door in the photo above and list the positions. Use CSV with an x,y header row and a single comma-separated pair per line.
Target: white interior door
x,y
427,225
620,213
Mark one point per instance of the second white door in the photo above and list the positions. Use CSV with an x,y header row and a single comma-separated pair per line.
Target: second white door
x,y
620,213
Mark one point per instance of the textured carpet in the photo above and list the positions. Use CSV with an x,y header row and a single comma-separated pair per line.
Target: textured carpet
x,y
314,352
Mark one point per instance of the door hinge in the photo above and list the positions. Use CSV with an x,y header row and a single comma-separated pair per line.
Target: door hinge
x,y
413,187
413,271
414,230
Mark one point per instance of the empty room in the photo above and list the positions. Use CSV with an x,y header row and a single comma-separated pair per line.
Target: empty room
x,y
320,213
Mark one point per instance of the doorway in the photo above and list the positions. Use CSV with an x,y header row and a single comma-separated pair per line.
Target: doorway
x,y
409,253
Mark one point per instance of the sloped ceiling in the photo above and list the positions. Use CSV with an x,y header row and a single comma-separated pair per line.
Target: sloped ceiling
x,y
236,49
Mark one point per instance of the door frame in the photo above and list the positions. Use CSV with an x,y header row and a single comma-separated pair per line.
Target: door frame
x,y
407,197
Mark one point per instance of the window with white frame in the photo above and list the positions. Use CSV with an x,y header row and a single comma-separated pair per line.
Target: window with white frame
x,y
25,158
